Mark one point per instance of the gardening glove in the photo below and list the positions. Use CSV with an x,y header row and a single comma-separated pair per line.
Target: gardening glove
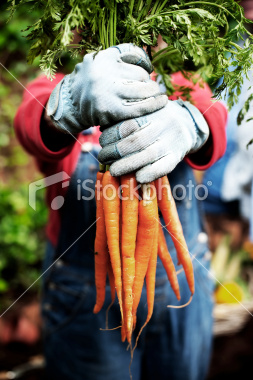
x,y
107,87
154,144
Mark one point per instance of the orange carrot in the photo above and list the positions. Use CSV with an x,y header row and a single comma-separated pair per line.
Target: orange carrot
x,y
111,204
101,250
169,211
123,326
148,213
129,231
151,271
123,322
168,264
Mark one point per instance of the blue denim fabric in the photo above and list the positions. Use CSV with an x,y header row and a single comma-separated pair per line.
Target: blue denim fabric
x,y
214,204
176,343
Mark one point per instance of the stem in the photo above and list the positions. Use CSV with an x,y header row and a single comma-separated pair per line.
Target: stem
x,y
165,13
162,6
235,45
131,5
115,26
154,8
140,6
111,29
101,167
106,42
140,14
227,26
139,10
102,33
107,167
162,54
148,5
72,46
164,50
212,4
232,51
148,18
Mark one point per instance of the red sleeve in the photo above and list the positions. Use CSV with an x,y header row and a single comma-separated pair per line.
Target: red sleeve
x,y
27,119
215,114
27,126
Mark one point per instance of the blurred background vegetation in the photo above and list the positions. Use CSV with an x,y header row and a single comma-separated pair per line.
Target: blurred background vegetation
x,y
22,236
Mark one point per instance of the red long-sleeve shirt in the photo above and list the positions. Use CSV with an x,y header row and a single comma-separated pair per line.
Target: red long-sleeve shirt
x,y
27,126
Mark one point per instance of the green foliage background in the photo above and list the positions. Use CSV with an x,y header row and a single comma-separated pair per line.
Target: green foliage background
x,y
22,238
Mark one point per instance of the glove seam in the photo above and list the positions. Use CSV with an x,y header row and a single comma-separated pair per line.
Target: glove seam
x,y
201,137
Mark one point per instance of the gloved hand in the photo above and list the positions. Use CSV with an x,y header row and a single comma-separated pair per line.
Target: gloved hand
x,y
154,144
105,88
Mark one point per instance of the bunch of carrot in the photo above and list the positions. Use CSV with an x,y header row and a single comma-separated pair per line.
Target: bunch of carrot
x,y
128,239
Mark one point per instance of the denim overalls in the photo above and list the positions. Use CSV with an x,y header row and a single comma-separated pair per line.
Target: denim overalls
x,y
175,344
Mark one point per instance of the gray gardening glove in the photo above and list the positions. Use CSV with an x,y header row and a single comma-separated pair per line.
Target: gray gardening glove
x,y
154,144
105,88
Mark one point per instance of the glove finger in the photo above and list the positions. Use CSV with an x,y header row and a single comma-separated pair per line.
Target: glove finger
x,y
127,109
136,161
134,73
121,130
127,127
158,169
142,107
130,89
108,154
133,143
135,55
149,134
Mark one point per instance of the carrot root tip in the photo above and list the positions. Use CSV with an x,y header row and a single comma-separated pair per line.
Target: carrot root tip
x,y
181,306
96,309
